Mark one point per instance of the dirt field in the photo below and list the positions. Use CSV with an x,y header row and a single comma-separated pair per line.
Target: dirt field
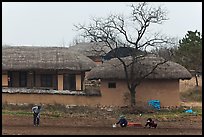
x,y
74,125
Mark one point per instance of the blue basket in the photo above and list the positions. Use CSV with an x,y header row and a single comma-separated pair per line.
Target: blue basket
x,y
155,104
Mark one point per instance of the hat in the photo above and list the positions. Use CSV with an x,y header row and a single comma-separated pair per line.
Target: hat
x,y
122,116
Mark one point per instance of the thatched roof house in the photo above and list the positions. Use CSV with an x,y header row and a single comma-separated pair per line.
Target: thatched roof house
x,y
162,84
113,69
26,57
91,49
50,67
94,50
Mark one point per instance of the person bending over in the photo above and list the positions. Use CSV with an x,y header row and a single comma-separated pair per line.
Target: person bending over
x,y
150,123
122,121
36,115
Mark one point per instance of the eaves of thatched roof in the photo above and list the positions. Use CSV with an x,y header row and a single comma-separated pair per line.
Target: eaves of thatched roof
x,y
32,57
113,69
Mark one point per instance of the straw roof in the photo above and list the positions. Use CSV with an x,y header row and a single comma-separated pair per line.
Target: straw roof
x,y
27,57
113,69
91,49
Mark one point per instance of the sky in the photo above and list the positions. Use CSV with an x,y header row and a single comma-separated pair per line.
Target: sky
x,y
52,23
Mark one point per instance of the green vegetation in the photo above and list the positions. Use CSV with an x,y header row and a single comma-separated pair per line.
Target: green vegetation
x,y
55,110
58,110
189,53
20,113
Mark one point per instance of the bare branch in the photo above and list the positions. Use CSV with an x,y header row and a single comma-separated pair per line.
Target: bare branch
x,y
117,31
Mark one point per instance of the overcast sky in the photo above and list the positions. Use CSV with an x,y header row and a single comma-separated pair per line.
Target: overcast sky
x,y
52,23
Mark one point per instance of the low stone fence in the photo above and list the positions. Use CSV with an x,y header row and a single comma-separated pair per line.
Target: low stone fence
x,y
39,96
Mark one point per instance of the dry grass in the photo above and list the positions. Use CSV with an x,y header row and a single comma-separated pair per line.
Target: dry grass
x,y
188,90
189,84
192,94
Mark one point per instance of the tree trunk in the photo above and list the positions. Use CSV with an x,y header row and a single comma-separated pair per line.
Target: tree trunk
x,y
196,80
133,100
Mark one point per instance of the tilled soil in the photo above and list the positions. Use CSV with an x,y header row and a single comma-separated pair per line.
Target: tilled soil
x,y
22,125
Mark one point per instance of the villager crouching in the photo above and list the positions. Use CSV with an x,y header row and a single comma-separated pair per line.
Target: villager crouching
x,y
150,123
122,121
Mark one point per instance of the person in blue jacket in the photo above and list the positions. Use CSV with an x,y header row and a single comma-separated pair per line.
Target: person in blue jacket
x,y
122,121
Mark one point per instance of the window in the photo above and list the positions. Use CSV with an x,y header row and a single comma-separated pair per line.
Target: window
x,y
46,80
111,85
22,79
10,79
69,82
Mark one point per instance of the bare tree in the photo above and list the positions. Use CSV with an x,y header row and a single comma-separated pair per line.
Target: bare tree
x,y
77,39
129,31
164,52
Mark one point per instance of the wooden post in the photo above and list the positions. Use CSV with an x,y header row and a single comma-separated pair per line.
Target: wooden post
x,y
60,82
